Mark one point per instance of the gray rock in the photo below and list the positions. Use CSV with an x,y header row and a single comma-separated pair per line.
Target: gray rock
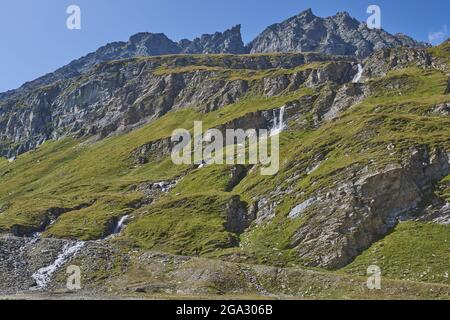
x,y
238,218
340,34
119,96
354,214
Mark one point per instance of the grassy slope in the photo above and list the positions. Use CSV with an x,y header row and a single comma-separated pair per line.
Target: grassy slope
x,y
357,138
413,251
192,225
67,173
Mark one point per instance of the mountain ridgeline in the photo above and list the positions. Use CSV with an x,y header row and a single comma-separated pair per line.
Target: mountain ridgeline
x,y
337,35
22,131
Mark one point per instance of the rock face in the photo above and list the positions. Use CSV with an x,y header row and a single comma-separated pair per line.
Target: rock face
x,y
339,34
238,218
229,41
383,61
119,96
357,213
142,44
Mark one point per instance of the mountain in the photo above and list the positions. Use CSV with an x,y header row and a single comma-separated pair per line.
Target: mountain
x,y
229,41
87,178
340,34
120,95
141,44
337,35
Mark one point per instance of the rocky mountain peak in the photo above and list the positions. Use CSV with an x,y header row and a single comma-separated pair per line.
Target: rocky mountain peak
x,y
343,15
339,34
345,19
151,44
229,41
306,15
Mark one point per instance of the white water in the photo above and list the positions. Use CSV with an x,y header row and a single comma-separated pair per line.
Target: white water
x,y
44,275
359,74
278,122
120,224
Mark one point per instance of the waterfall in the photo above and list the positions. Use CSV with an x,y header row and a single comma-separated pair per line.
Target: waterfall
x,y
120,224
359,74
44,275
278,122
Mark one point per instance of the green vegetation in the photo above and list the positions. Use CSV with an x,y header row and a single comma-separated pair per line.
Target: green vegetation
x,y
240,74
444,189
210,178
442,52
67,173
190,220
413,251
189,226
94,222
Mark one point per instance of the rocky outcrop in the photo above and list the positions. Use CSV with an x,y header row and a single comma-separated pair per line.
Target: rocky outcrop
x,y
346,220
238,218
238,172
340,34
120,96
383,61
334,101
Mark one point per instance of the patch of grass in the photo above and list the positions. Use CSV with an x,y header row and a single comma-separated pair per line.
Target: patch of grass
x,y
444,189
209,178
413,251
189,226
269,242
442,51
238,74
94,222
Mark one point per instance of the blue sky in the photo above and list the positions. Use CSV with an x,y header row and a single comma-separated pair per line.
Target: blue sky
x,y
35,39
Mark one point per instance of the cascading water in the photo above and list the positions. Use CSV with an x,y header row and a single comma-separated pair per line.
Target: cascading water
x,y
358,76
120,224
44,275
278,122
